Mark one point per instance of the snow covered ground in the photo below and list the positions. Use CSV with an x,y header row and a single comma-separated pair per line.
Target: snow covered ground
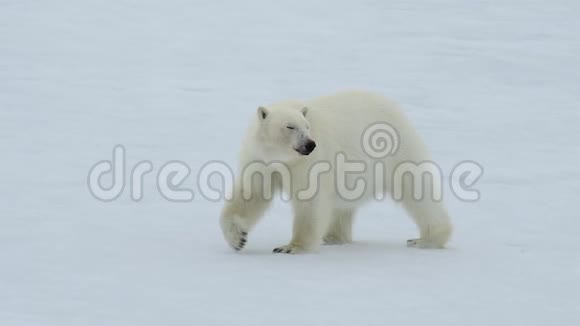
x,y
492,81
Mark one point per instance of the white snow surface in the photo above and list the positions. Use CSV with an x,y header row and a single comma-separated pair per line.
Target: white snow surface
x,y
497,82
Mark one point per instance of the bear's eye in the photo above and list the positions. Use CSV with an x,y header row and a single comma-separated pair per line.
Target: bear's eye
x,y
291,127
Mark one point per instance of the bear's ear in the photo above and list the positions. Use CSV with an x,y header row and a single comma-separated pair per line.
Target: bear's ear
x,y
304,111
262,113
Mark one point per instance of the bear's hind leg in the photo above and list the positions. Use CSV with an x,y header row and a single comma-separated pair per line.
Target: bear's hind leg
x,y
432,220
340,230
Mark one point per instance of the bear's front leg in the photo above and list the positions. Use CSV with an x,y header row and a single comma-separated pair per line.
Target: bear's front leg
x,y
234,231
311,221
239,215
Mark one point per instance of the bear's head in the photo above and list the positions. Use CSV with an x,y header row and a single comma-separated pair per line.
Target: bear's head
x,y
284,133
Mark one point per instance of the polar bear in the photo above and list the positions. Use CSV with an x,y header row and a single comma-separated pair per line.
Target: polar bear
x,y
304,150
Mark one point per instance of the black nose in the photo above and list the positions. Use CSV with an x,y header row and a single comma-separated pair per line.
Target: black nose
x,y
310,146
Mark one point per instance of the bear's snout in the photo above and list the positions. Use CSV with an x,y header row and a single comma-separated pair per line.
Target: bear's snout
x,y
307,148
310,146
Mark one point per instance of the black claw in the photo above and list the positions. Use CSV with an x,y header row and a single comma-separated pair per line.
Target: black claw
x,y
287,251
244,233
277,250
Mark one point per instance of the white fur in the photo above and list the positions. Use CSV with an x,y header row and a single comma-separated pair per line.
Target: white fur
x,y
336,123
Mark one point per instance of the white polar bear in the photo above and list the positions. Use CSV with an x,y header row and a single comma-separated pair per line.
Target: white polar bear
x,y
290,142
